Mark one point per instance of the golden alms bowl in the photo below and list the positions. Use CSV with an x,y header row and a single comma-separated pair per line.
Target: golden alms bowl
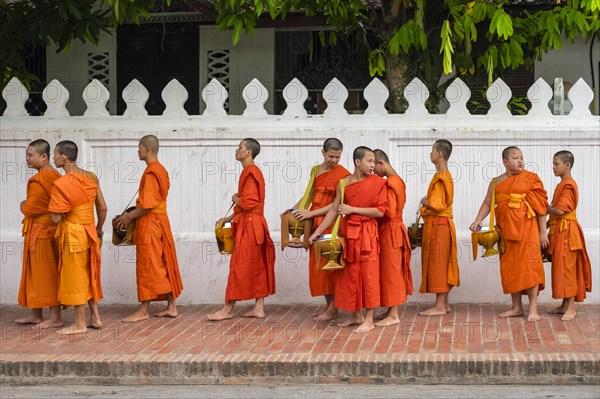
x,y
487,239
296,228
225,239
330,250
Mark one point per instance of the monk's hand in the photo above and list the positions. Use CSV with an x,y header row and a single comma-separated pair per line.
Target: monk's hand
x,y
235,198
344,210
100,232
313,238
122,221
303,214
424,202
476,226
544,239
220,221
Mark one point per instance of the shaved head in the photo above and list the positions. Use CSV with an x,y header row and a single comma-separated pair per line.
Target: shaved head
x,y
445,147
68,149
332,144
150,141
381,156
41,146
253,145
507,150
566,157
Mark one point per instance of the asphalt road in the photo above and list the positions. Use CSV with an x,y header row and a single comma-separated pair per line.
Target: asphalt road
x,y
329,391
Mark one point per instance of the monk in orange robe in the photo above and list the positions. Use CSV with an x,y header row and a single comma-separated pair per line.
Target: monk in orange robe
x,y
521,204
571,268
395,275
157,270
252,267
365,198
328,176
438,253
72,201
39,279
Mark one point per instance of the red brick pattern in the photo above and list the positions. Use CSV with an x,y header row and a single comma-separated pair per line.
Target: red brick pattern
x,y
288,346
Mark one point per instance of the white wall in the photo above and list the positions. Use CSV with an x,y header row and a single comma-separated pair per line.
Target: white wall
x,y
198,152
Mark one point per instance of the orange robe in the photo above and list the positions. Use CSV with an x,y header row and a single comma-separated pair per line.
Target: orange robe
x,y
321,282
357,285
518,199
156,268
438,253
571,268
252,267
79,248
395,276
39,278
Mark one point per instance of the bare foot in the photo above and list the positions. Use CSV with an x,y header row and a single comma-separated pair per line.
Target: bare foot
x,y
72,329
96,324
433,312
222,314
448,309
534,316
327,315
569,315
559,310
48,324
137,316
364,327
167,313
320,310
352,321
257,314
388,321
511,313
29,320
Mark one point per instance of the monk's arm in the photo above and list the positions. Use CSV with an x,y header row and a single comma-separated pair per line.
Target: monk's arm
x,y
249,197
35,194
329,217
101,211
437,200
391,209
541,219
306,214
368,212
484,210
56,217
555,211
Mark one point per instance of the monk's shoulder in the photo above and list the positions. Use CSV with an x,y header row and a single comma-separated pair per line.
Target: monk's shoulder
x,y
254,172
342,171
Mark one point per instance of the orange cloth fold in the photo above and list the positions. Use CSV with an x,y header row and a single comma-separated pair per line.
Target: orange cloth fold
x,y
321,282
357,285
438,252
395,275
74,196
518,199
157,269
39,275
571,268
252,266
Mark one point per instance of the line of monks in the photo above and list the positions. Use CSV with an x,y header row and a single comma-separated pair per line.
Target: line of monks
x,y
61,256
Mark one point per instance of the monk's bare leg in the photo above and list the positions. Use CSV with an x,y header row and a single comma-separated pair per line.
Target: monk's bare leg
x,y
355,319
447,304
570,312
95,321
532,293
367,325
170,310
517,306
562,308
55,319
383,315
391,318
258,311
330,311
226,312
35,317
439,309
143,313
79,326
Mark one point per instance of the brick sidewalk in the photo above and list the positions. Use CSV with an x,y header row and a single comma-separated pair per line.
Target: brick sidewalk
x,y
469,345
